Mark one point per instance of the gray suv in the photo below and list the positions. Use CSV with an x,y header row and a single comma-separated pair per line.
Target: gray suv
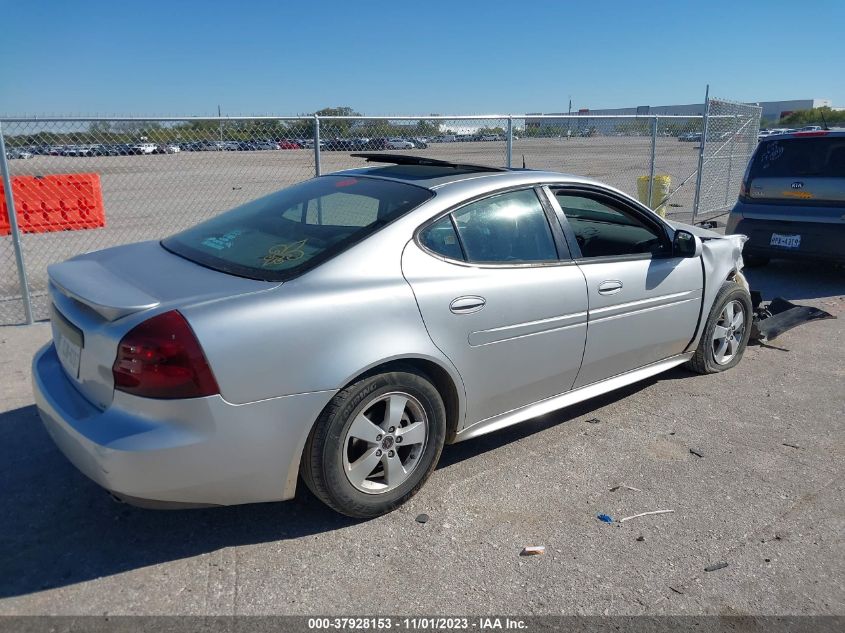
x,y
792,200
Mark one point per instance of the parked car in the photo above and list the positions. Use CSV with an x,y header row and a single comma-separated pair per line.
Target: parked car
x,y
377,143
792,198
266,145
167,148
213,368
18,154
80,150
341,145
116,149
399,143
144,148
419,143
690,137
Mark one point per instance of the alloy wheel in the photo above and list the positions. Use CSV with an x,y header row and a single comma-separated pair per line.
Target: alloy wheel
x,y
385,442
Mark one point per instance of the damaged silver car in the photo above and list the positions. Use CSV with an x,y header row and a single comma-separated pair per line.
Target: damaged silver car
x,y
343,330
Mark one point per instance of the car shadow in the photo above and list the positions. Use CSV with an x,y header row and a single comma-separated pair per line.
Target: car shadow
x,y
59,528
797,280
478,446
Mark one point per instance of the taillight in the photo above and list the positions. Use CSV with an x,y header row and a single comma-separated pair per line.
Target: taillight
x,y
161,358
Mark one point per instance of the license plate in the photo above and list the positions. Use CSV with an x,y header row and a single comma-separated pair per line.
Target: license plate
x,y
69,342
68,354
786,241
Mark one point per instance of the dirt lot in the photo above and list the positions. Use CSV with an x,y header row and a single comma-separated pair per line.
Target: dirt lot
x,y
765,496
149,197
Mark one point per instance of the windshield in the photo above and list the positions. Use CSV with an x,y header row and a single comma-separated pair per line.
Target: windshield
x,y
790,158
281,235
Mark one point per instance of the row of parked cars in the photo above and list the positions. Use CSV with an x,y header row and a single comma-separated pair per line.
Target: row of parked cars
x,y
129,149
765,133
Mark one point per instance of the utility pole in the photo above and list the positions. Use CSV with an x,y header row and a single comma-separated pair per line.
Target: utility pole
x,y
569,121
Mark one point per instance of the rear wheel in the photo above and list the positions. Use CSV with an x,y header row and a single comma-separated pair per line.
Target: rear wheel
x,y
726,332
375,444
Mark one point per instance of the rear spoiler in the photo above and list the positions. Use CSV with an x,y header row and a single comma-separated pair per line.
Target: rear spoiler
x,y
89,283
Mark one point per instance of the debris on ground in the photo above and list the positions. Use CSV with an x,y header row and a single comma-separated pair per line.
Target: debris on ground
x,y
791,445
533,550
605,518
716,567
615,488
640,538
778,316
678,591
696,452
642,514
422,518
593,421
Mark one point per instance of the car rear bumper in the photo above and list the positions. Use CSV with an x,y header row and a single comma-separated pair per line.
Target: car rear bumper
x,y
822,241
199,451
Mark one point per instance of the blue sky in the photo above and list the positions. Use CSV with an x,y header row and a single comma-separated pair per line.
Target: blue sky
x,y
379,57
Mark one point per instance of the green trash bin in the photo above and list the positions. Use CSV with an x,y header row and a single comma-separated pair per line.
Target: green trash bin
x,y
659,191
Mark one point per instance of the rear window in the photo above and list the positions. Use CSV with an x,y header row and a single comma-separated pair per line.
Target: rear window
x,y
281,235
789,158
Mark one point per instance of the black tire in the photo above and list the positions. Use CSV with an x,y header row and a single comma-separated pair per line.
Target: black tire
x,y
754,261
704,360
322,467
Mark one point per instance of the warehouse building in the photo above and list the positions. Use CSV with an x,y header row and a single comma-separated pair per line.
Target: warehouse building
x,y
772,110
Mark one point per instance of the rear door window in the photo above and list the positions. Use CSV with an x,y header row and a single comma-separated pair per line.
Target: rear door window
x,y
510,228
278,236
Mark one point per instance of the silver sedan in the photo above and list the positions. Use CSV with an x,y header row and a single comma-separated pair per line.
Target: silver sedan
x,y
345,329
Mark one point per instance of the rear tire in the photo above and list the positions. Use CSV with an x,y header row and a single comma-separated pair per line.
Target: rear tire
x,y
375,444
726,332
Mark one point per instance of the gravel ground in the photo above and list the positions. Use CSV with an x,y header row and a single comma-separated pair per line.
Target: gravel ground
x,y
765,497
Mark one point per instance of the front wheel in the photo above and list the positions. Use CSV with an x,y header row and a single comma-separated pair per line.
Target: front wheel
x,y
726,332
375,444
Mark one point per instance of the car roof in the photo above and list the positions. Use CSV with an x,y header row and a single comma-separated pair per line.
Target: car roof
x,y
436,174
833,132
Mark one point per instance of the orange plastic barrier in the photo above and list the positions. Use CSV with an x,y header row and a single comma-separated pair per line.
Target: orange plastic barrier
x,y
61,202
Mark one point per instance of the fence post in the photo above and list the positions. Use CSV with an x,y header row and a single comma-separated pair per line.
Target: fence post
x,y
651,167
16,235
316,145
509,157
734,132
701,147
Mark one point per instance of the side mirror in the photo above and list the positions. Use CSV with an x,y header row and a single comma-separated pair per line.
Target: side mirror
x,y
685,244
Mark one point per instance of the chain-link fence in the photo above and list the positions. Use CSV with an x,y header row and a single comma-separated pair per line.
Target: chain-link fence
x,y
731,136
161,175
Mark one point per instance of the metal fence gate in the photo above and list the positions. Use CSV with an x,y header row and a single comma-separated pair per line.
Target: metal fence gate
x,y
160,175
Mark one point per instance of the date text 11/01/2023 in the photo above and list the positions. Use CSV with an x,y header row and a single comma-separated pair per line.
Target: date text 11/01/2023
x,y
416,624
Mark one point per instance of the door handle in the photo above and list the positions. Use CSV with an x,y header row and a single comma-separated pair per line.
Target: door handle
x,y
610,287
467,305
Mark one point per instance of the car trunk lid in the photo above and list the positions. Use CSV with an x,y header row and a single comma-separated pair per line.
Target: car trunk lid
x,y
96,298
